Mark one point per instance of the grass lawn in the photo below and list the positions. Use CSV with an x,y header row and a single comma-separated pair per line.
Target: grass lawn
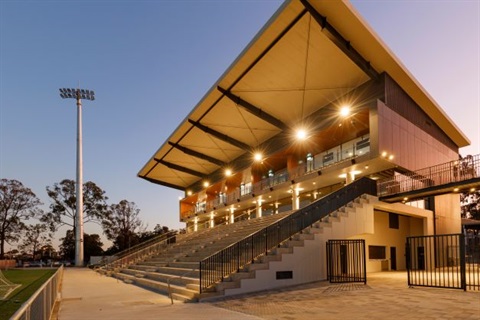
x,y
30,280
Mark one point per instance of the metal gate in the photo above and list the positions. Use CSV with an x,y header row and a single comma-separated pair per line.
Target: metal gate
x,y
443,261
346,261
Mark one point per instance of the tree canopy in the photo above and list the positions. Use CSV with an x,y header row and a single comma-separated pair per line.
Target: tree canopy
x,y
122,225
92,245
17,204
63,206
34,237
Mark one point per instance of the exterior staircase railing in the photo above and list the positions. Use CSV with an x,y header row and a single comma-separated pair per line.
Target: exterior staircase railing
x,y
231,259
140,251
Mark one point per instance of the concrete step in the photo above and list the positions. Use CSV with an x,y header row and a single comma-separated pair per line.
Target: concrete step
x,y
157,286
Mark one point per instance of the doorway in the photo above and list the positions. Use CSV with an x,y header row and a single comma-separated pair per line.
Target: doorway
x,y
393,258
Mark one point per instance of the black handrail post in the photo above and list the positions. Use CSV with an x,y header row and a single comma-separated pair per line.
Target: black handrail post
x,y
200,273
238,256
251,245
463,269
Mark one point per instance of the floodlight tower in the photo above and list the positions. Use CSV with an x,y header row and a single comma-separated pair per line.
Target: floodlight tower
x,y
78,94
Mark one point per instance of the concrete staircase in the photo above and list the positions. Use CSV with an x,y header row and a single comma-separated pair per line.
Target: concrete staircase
x,y
176,269
342,223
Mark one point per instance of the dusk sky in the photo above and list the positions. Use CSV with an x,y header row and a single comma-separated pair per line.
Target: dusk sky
x,y
150,62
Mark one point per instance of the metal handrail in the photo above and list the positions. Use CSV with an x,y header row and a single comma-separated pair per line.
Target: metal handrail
x,y
140,254
450,172
42,301
138,246
231,259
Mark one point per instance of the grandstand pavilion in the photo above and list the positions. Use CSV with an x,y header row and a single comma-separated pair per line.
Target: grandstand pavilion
x,y
315,102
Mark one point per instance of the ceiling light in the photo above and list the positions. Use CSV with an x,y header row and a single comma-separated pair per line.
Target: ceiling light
x,y
206,184
301,134
344,111
228,172
257,156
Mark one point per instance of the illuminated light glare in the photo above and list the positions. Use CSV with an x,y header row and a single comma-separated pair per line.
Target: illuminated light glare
x,y
206,184
384,154
472,190
301,134
343,175
405,199
257,156
390,157
189,193
228,172
344,111
455,190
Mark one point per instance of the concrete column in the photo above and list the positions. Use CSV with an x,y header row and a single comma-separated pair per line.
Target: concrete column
x,y
350,178
212,219
259,208
195,224
295,199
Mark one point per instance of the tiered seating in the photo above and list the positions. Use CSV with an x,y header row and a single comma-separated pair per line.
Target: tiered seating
x,y
178,264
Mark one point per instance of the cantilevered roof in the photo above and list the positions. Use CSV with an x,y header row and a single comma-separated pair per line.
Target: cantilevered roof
x,y
306,57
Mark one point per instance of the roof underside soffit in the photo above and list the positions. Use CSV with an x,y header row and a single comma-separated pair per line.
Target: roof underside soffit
x,y
300,74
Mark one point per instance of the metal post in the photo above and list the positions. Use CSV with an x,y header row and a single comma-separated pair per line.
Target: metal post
x,y
78,94
79,216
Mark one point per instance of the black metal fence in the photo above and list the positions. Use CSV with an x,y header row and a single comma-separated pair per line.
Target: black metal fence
x,y
231,259
443,261
346,261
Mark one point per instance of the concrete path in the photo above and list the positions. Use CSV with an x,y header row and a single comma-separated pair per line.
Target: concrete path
x,y
87,295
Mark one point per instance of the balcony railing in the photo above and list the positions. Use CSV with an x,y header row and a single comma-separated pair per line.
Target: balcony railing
x,y
341,153
442,174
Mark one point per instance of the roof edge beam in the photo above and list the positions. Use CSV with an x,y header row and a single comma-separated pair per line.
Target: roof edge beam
x,y
165,184
197,154
257,112
341,42
180,168
220,136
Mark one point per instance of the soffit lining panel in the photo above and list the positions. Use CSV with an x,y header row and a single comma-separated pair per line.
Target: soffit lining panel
x,y
274,85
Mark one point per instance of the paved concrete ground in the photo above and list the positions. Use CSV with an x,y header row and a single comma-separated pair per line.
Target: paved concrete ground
x,y
87,295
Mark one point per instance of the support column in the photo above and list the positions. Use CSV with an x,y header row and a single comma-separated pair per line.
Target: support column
x,y
295,199
259,208
195,224
276,207
232,216
350,178
212,219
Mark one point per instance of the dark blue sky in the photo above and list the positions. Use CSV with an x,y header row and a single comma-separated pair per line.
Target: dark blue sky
x,y
150,62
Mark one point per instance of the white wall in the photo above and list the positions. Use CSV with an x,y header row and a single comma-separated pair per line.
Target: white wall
x,y
308,263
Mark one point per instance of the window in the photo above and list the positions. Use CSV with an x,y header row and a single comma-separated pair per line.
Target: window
x,y
393,222
377,252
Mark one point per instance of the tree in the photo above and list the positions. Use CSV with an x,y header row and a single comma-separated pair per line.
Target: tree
x,y
63,206
35,236
122,225
17,204
92,246
470,205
